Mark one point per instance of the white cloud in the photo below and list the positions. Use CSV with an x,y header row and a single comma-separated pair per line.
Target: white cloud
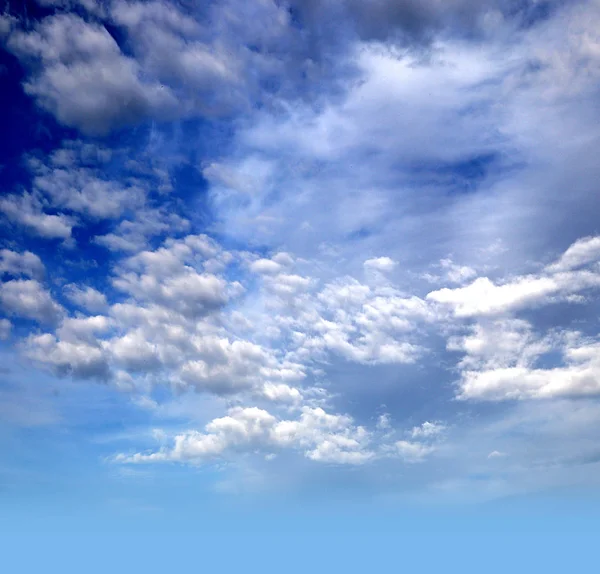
x,y
83,78
81,190
26,263
280,392
77,358
27,210
131,235
484,297
86,297
27,298
323,437
380,264
583,252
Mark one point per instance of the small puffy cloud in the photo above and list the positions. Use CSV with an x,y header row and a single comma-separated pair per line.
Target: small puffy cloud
x,y
75,350
132,235
27,298
280,392
86,297
82,77
82,190
189,292
26,263
380,264
27,210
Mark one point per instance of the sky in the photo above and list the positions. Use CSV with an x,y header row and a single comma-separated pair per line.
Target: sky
x,y
292,284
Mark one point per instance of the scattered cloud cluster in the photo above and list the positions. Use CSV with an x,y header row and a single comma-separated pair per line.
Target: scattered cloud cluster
x,y
246,205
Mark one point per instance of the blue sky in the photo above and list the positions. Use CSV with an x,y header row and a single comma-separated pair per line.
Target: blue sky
x,y
282,264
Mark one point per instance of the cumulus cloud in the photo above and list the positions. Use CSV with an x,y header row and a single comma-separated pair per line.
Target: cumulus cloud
x,y
86,297
82,191
82,77
76,358
132,235
26,263
27,210
27,298
322,436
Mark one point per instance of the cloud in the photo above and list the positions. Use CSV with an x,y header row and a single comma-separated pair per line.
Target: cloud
x,y
82,191
76,358
132,235
483,297
27,210
429,133
26,263
27,298
82,77
323,437
428,430
380,264
86,297
582,252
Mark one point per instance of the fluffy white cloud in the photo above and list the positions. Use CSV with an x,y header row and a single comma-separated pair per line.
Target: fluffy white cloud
x,y
323,437
580,376
26,263
77,358
83,78
27,298
27,210
168,277
86,297
484,297
82,191
131,235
